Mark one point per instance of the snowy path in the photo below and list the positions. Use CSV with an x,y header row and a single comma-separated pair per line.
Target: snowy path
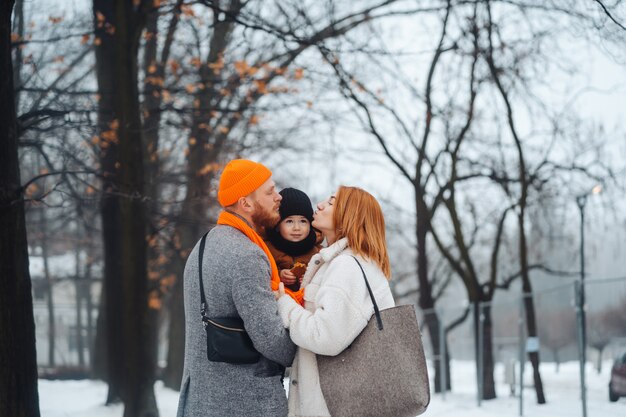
x,y
85,398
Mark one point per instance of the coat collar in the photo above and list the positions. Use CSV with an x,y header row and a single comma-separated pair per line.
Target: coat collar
x,y
327,254
323,256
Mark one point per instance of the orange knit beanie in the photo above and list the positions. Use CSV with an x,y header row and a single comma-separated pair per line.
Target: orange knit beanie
x,y
239,178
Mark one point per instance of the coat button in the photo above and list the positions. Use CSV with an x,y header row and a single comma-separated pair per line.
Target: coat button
x,y
294,382
317,262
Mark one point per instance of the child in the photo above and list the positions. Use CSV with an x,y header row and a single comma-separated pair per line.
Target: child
x,y
293,241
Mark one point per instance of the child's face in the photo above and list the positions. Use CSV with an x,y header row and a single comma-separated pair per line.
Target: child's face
x,y
294,228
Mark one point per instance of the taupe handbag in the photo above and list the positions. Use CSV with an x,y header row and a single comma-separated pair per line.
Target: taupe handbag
x,y
383,372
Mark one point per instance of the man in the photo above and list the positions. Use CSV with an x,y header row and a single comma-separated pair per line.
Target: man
x,y
236,272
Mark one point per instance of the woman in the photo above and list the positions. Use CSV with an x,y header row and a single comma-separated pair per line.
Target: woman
x,y
337,305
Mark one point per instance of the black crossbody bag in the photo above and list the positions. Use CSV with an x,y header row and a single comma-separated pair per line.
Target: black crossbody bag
x,y
226,338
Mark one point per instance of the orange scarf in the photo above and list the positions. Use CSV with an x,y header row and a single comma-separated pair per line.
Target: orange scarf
x,y
229,219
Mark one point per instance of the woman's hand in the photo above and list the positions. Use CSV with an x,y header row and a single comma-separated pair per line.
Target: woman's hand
x,y
287,276
280,292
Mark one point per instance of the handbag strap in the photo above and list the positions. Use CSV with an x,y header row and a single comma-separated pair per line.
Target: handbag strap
x,y
379,321
202,297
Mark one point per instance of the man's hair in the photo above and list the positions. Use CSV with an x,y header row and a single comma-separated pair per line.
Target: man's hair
x,y
232,207
358,217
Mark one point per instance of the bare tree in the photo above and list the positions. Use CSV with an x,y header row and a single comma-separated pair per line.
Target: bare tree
x,y
18,360
130,360
521,213
420,170
156,55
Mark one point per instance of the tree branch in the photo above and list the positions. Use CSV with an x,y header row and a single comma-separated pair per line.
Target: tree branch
x,y
606,11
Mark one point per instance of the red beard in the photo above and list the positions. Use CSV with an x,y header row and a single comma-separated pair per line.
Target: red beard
x,y
263,218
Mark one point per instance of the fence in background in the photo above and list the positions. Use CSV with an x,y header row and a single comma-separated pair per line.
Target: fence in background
x,y
565,332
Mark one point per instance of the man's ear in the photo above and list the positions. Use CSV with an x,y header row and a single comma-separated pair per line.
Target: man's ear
x,y
245,203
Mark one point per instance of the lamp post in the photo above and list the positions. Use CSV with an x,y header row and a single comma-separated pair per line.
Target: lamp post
x,y
581,201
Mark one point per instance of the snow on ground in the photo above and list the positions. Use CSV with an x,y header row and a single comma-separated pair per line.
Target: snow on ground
x,y
86,398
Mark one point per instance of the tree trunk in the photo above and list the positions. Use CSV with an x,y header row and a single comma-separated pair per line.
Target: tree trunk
x,y
19,28
448,366
555,353
49,289
529,309
489,387
99,367
129,330
531,328
18,358
89,308
173,373
426,300
78,287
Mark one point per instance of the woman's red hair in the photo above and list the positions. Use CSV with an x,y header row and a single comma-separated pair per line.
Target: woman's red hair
x,y
359,217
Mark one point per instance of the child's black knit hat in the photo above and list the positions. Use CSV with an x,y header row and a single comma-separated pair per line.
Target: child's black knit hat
x,y
295,203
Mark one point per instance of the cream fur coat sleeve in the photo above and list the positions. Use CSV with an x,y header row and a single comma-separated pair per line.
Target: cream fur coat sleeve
x,y
338,305
338,318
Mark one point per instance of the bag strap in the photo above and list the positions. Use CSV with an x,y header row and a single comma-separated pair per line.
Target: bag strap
x,y
202,297
376,310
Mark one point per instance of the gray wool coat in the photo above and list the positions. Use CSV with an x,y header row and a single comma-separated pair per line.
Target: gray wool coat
x,y
236,277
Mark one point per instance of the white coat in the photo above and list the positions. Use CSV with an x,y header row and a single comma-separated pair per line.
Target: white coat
x,y
337,308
